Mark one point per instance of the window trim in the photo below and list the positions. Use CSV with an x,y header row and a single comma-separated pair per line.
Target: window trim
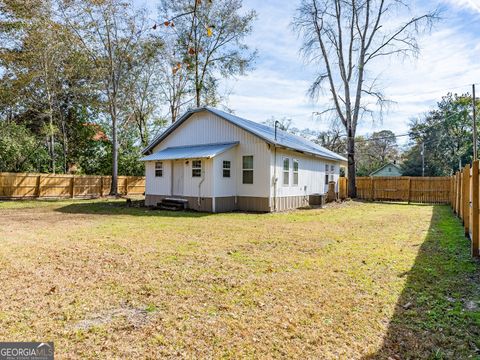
x,y
158,168
196,168
295,172
226,169
286,172
247,169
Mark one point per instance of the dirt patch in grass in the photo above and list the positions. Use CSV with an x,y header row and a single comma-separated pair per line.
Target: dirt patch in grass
x,y
354,280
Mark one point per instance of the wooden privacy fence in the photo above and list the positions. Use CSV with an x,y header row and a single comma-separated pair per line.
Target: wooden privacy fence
x,y
464,200
436,190
342,188
29,185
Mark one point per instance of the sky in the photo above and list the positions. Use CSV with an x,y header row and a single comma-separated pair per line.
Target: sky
x,y
449,61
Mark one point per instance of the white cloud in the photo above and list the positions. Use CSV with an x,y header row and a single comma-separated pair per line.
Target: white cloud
x,y
468,4
278,87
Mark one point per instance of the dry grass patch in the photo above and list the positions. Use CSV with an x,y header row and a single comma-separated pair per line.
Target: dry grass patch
x,y
352,281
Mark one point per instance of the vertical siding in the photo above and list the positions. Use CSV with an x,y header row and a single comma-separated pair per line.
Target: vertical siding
x,y
158,185
385,171
226,186
194,186
207,128
311,174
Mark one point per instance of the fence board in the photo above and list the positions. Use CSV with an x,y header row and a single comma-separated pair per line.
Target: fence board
x,y
465,202
30,185
404,188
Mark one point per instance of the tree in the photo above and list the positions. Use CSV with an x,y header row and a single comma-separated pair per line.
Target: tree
x,y
208,42
174,83
21,150
345,38
374,151
44,77
109,32
446,136
143,99
284,124
333,139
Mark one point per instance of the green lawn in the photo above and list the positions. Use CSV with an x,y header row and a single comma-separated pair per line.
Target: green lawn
x,y
356,280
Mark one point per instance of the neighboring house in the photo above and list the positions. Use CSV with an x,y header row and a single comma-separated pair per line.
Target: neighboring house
x,y
390,169
219,162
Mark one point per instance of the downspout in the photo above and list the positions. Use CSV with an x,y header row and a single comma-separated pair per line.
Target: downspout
x,y
274,178
275,169
200,185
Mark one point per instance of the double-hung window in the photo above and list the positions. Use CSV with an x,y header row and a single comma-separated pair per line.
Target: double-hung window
x,y
286,171
247,169
332,171
196,168
295,172
158,169
226,169
326,174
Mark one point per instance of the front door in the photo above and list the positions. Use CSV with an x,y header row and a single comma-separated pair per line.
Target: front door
x,y
178,174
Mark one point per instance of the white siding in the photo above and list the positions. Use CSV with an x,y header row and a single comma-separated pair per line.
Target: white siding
x,y
198,186
227,186
158,185
311,174
207,128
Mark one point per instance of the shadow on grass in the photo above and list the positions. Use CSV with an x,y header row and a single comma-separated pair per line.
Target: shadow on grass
x,y
392,202
437,315
120,208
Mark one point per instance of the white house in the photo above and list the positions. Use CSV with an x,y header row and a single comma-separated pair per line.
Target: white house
x,y
219,162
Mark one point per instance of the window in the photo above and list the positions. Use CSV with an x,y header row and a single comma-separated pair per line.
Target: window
x,y
196,168
327,174
158,169
226,169
389,169
295,172
247,169
286,171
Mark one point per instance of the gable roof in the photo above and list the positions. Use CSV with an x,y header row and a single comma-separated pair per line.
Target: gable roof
x,y
266,133
386,165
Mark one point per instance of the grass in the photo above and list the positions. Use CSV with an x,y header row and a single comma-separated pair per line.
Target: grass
x,y
358,280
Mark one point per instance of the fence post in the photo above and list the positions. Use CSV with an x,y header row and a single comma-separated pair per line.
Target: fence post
x,y
452,191
37,186
101,185
475,201
461,195
126,185
466,198
72,186
457,199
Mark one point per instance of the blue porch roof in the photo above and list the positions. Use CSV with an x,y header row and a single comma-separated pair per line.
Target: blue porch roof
x,y
190,152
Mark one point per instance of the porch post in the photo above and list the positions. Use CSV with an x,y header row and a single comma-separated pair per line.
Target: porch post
x,y
171,177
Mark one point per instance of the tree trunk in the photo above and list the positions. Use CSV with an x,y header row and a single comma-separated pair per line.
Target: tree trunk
x,y
352,189
52,144
114,186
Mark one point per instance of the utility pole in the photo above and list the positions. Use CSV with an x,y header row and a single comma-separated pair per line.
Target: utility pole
x,y
423,159
474,124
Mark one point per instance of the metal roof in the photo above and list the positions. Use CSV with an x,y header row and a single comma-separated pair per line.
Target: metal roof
x,y
267,133
190,152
